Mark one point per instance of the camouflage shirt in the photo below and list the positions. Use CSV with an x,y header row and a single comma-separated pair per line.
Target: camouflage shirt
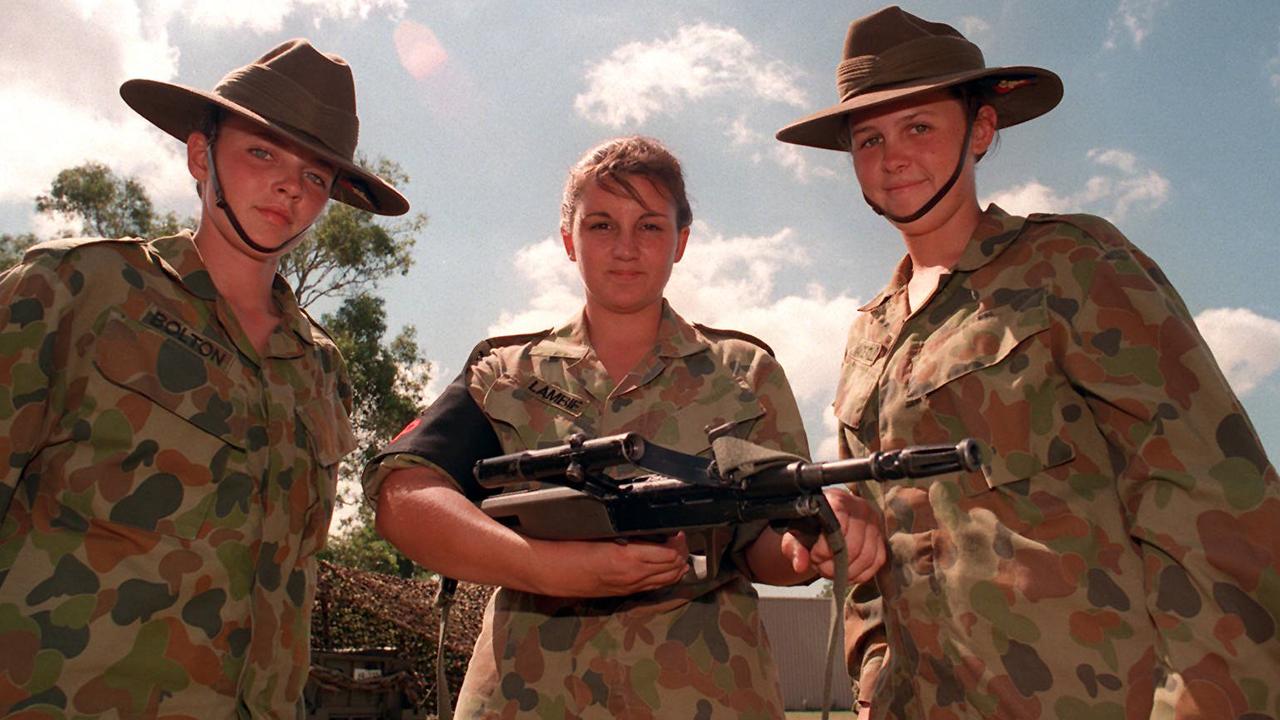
x,y
1119,554
165,487
695,649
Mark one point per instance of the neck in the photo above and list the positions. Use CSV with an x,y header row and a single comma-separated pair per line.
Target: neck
x,y
245,282
940,244
621,340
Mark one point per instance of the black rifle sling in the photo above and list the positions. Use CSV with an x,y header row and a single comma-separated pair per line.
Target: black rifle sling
x,y
681,466
444,601
840,588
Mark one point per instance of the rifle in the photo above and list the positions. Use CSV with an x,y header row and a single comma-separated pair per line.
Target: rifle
x,y
686,492
681,491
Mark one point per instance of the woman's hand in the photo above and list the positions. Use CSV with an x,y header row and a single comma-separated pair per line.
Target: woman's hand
x,y
603,568
861,530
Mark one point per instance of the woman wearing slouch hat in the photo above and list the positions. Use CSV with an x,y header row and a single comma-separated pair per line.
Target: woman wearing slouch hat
x,y
1118,554
172,422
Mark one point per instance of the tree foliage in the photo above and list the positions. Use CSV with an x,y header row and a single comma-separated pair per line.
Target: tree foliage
x,y
387,379
348,253
13,246
105,204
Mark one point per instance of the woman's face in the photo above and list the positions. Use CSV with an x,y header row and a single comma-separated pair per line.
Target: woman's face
x,y
903,154
275,187
624,249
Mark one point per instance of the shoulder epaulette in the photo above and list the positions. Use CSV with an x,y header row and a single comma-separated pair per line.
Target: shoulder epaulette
x,y
316,326
1100,229
483,347
737,334
62,245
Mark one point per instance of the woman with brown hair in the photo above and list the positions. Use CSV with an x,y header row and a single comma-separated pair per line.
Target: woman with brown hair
x,y
601,629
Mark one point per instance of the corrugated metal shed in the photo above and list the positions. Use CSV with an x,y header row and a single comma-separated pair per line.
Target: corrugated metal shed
x,y
798,628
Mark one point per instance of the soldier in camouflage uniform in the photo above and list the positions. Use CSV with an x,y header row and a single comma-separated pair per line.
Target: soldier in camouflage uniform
x,y
602,629
171,422
1119,554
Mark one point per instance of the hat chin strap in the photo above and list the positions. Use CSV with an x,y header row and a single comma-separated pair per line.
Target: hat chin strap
x,y
221,201
942,192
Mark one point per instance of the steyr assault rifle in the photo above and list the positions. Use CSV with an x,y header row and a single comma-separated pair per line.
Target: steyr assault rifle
x,y
683,492
676,491
745,482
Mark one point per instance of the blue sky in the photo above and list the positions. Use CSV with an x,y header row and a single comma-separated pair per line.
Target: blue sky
x,y
1169,128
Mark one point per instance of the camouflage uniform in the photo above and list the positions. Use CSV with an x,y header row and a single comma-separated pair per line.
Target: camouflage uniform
x,y
166,487
696,649
1123,542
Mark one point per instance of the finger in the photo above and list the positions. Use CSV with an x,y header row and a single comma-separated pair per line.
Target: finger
x,y
874,552
801,559
652,554
661,579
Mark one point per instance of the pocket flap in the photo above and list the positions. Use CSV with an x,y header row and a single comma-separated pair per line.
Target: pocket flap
x,y
184,381
979,341
1009,467
330,429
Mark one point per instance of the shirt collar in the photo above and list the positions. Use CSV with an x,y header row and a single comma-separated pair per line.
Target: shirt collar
x,y
676,337
996,230
179,257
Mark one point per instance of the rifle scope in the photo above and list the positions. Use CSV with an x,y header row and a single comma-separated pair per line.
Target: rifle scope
x,y
575,459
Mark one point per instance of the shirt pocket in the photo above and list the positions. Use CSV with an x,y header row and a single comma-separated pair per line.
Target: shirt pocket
x,y
330,439
997,357
858,381
525,421
181,425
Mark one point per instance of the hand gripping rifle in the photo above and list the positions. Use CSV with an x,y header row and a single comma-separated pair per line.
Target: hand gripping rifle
x,y
744,482
684,492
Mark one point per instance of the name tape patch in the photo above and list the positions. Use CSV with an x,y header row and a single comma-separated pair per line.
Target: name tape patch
x,y
183,334
866,353
556,397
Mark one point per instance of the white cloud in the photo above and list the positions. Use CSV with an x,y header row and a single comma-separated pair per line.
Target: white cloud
x,y
1247,345
69,115
791,158
419,50
1132,19
796,160
827,447
640,80
974,28
63,101
267,16
1119,159
1124,185
723,282
741,134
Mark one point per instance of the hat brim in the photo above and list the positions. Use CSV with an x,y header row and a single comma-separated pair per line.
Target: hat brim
x,y
1021,103
179,110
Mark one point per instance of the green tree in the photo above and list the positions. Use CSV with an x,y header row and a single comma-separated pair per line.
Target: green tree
x,y
388,382
349,251
105,204
13,246
387,379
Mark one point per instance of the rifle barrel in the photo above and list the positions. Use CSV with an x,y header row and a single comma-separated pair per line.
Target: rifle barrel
x,y
913,462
